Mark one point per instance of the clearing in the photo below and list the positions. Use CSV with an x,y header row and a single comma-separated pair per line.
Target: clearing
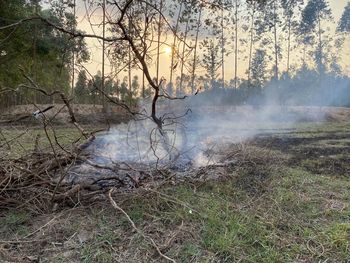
x,y
278,197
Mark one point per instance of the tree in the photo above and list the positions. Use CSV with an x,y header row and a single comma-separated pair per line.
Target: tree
x,y
217,22
289,10
236,6
103,88
97,86
15,44
46,54
274,24
174,51
211,60
344,22
135,86
110,88
312,16
81,87
259,66
138,22
179,89
71,49
223,40
194,63
159,27
271,20
252,12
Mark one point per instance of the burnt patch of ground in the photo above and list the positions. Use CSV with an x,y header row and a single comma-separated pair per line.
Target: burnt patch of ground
x,y
333,165
318,151
252,166
288,141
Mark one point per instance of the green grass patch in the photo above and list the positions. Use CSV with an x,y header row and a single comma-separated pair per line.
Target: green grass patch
x,y
14,223
21,141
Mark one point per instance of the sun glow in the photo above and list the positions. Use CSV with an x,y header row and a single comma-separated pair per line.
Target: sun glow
x,y
167,50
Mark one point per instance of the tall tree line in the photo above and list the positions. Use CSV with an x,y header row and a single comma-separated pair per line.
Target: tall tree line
x,y
36,49
262,37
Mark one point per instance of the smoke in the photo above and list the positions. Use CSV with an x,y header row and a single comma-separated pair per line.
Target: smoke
x,y
196,129
308,88
192,139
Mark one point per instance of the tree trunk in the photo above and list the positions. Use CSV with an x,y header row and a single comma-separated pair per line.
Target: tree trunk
x,y
195,51
275,38
320,44
129,68
222,48
103,56
173,48
144,50
183,57
34,69
236,42
73,55
288,49
159,32
251,42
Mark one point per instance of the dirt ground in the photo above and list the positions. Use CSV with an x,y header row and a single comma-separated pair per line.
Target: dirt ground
x,y
277,197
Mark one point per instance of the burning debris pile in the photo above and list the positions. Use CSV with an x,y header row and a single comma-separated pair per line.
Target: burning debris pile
x,y
206,144
134,151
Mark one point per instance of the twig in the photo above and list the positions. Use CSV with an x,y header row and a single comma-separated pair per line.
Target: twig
x,y
114,204
41,227
6,142
20,241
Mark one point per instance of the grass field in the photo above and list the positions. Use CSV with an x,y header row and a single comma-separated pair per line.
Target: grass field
x,y
288,201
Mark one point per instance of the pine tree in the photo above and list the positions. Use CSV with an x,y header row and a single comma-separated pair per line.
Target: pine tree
x,y
211,60
135,85
194,62
38,48
311,24
81,86
236,6
344,22
290,8
271,21
259,66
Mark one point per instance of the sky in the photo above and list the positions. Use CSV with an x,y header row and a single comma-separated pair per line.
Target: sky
x,y
94,46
